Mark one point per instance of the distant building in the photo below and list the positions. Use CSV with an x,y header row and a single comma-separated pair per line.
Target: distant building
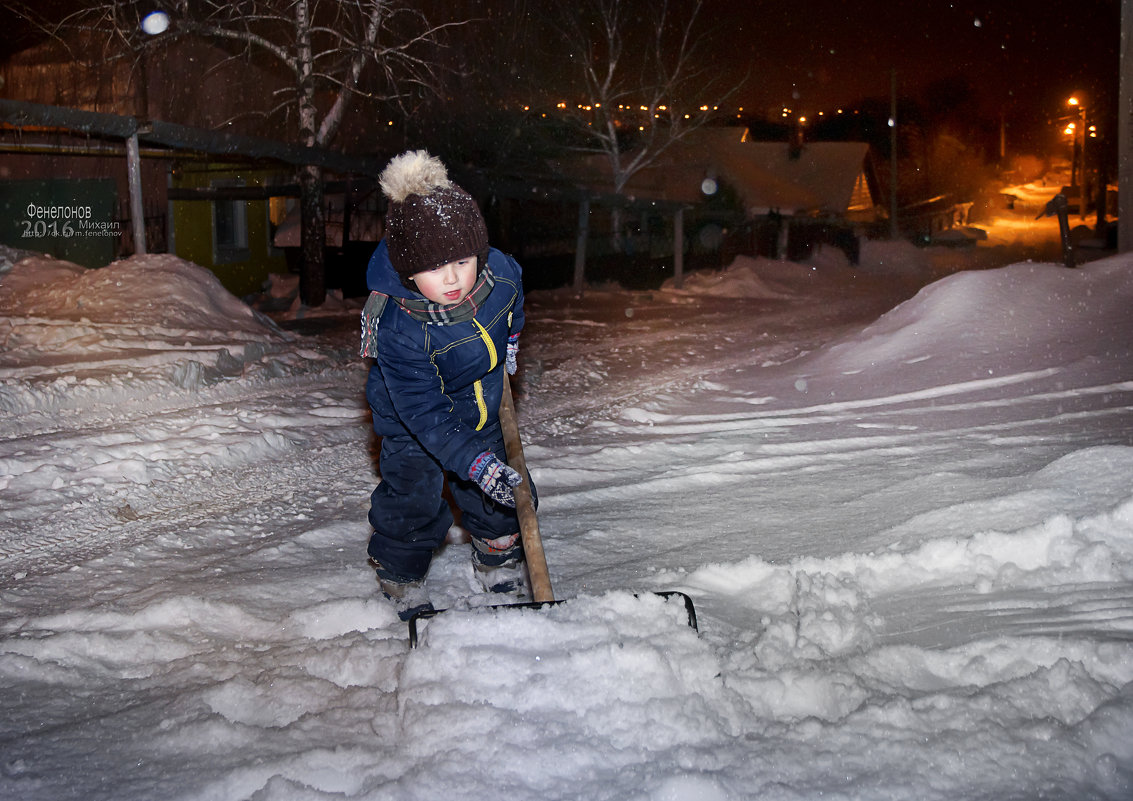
x,y
209,195
816,180
785,197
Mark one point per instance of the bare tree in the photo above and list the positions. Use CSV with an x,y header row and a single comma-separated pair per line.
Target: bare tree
x,y
332,52
644,73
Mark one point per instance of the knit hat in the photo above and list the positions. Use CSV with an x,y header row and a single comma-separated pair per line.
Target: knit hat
x,y
430,220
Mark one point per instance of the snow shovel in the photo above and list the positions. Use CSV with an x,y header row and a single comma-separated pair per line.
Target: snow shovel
x,y
541,592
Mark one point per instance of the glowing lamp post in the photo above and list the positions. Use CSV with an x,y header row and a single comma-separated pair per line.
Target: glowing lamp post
x,y
1079,135
155,23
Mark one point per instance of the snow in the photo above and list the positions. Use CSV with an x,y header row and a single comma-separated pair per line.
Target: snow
x,y
900,497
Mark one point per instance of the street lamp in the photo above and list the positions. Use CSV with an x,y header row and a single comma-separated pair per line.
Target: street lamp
x,y
1080,134
155,22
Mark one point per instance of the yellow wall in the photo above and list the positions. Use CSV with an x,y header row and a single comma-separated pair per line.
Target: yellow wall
x,y
192,223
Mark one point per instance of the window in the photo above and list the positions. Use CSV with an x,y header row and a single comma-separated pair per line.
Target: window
x,y
229,227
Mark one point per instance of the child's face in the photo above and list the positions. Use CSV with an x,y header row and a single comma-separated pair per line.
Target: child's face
x,y
448,284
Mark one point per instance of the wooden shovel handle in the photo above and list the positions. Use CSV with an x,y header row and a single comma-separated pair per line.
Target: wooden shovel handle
x,y
524,504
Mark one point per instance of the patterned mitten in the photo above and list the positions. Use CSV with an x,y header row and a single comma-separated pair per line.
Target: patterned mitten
x,y
495,478
510,363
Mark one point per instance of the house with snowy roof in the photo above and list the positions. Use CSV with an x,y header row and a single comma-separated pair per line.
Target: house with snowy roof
x,y
785,198
814,179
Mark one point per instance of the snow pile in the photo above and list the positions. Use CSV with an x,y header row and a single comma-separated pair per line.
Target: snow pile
x,y
746,277
999,325
892,257
280,297
1032,197
10,255
160,291
905,518
73,337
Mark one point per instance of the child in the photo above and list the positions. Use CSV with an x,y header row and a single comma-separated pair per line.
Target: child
x,y
441,324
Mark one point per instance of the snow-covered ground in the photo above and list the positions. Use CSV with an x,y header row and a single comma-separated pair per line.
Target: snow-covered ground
x,y
901,498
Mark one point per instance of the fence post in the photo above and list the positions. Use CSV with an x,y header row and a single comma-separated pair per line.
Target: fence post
x,y
580,244
679,248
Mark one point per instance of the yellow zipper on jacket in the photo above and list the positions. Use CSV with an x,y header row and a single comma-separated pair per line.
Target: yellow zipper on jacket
x,y
493,359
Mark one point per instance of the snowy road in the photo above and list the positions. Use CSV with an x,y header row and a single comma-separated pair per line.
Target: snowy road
x,y
906,520
119,476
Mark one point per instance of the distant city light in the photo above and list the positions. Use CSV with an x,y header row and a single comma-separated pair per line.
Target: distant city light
x,y
632,114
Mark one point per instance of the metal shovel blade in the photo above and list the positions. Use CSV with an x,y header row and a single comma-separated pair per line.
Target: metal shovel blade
x,y
414,636
541,591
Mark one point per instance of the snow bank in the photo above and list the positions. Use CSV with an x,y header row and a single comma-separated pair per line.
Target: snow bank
x,y
280,298
999,324
759,278
746,277
156,290
9,256
71,337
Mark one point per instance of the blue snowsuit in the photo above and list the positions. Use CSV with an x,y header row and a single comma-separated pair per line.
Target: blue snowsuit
x,y
434,389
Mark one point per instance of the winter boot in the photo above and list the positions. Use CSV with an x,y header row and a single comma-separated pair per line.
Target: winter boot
x,y
500,566
408,596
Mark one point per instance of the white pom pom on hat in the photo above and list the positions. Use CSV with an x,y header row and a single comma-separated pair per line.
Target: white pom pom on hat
x,y
413,173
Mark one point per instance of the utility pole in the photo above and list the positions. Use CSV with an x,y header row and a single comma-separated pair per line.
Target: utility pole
x,y
1002,139
893,233
1125,133
1083,178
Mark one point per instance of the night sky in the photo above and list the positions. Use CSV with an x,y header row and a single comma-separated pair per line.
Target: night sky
x,y
1024,57
1020,54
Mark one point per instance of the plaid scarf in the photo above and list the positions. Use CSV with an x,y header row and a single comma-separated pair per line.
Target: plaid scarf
x,y
424,310
429,312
